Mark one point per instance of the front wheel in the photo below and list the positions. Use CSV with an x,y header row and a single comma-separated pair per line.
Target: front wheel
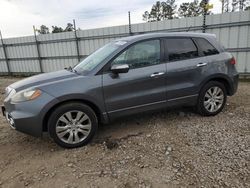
x,y
212,98
72,125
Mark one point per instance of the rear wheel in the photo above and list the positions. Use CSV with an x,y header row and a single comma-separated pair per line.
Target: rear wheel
x,y
212,98
72,125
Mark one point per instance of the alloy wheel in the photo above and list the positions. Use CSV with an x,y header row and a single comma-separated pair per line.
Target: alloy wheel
x,y
213,99
73,127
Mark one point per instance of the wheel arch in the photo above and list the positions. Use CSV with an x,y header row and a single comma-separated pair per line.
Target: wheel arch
x,y
222,79
91,104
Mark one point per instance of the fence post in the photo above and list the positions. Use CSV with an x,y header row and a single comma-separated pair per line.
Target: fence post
x,y
204,16
38,50
129,23
77,44
5,55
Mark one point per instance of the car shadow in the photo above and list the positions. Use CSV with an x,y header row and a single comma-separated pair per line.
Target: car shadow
x,y
121,128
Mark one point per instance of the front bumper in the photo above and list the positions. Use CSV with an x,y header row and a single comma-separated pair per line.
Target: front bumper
x,y
27,117
8,117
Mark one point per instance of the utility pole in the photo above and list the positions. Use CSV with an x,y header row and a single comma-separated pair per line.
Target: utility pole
x,y
129,23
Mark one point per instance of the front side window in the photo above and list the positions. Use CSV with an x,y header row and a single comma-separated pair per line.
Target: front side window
x,y
97,57
181,49
206,47
140,55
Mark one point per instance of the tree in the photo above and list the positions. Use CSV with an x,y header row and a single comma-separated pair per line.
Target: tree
x,y
43,30
160,11
169,7
69,27
203,4
225,5
239,5
56,29
190,9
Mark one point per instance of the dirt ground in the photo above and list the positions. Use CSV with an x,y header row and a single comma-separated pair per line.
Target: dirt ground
x,y
175,148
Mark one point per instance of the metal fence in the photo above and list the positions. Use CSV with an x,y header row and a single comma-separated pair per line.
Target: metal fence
x,y
50,52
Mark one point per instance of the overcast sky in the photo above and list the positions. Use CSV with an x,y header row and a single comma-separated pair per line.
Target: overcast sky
x,y
18,16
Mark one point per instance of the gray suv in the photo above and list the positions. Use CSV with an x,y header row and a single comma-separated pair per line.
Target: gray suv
x,y
127,76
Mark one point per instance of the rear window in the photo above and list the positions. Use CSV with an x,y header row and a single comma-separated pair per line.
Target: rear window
x,y
181,49
206,47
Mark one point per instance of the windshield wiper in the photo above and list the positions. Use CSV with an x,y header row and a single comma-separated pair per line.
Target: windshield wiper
x,y
74,70
68,68
71,69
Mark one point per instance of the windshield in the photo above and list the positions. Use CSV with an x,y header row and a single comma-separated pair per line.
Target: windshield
x,y
97,57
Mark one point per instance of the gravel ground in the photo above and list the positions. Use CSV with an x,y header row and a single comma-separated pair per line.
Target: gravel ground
x,y
175,148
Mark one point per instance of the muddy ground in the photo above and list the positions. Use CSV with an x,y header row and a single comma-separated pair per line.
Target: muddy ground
x,y
175,148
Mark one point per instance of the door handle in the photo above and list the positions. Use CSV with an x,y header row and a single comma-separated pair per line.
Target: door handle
x,y
156,74
201,64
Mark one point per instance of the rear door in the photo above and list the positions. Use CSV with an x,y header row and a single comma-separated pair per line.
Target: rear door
x,y
185,68
143,86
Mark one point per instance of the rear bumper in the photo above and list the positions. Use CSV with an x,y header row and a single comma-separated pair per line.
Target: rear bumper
x,y
234,86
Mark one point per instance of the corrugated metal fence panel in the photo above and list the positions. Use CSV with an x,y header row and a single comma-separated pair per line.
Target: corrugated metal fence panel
x,y
24,51
59,50
24,66
1,53
67,48
234,37
3,67
19,40
17,51
57,64
247,64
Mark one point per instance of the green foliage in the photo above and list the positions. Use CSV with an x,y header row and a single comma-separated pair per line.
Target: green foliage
x,y
190,9
69,27
55,29
239,5
43,30
202,5
166,10
161,11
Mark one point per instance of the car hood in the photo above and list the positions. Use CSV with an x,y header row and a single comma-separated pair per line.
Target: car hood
x,y
34,81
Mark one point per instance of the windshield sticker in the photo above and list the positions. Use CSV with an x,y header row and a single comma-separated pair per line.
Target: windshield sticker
x,y
120,43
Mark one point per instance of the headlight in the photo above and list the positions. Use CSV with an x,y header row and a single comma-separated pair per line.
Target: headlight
x,y
8,90
26,95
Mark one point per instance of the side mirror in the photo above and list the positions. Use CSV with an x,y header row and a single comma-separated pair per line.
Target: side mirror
x,y
120,68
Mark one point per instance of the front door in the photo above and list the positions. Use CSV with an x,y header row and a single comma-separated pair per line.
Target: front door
x,y
142,87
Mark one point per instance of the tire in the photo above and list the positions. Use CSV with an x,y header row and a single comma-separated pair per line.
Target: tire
x,y
72,125
204,106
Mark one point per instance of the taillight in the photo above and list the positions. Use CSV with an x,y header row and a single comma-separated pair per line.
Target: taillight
x,y
233,61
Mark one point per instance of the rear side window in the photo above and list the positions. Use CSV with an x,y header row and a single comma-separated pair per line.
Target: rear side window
x,y
181,49
206,47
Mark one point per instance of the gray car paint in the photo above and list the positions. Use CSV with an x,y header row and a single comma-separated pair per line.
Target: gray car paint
x,y
126,94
